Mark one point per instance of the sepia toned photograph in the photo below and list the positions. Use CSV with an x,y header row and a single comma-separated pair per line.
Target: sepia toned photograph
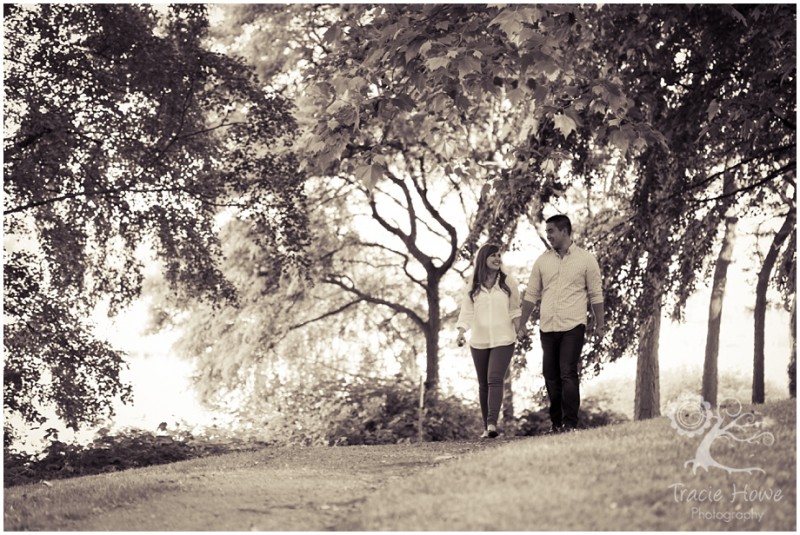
x,y
399,267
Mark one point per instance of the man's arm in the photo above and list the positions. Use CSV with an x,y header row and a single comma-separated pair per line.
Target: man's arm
x,y
594,284
598,317
531,299
528,308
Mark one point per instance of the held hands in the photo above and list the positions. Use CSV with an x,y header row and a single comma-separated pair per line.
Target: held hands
x,y
522,333
595,330
461,339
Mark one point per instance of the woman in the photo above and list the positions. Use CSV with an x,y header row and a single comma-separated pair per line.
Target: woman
x,y
490,308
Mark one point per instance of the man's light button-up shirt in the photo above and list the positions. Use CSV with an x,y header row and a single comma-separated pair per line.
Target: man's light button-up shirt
x,y
565,285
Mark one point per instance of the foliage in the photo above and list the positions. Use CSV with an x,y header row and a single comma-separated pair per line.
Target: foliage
x,y
129,448
715,126
593,413
368,411
329,413
718,127
406,116
123,133
526,104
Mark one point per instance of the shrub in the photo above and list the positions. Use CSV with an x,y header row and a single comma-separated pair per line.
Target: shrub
x,y
130,448
367,411
591,414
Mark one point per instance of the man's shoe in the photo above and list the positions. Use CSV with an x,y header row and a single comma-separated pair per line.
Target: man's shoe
x,y
492,431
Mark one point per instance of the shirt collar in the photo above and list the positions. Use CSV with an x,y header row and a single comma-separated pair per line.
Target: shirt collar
x,y
570,249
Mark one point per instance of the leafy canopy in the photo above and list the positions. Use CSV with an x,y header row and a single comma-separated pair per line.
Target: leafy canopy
x,y
123,133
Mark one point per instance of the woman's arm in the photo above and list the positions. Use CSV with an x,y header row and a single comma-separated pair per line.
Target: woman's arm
x,y
465,316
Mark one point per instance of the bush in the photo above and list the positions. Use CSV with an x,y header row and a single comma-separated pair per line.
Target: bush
x,y
591,414
131,448
367,411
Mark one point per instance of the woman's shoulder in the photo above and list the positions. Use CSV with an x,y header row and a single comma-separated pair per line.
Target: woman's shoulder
x,y
510,279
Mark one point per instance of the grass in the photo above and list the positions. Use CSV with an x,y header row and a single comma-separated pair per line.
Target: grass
x,y
43,506
48,506
626,477
621,477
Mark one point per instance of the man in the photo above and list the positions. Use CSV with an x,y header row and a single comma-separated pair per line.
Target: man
x,y
566,279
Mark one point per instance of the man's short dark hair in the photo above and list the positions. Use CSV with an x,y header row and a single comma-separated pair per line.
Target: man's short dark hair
x,y
561,222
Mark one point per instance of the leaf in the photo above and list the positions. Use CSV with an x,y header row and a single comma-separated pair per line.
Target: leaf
x,y
357,83
735,13
620,140
565,124
414,48
507,20
467,65
713,110
548,166
369,174
404,102
515,96
425,48
437,63
573,114
332,34
445,147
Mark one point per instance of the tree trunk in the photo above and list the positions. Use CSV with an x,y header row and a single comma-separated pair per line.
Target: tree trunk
x,y
761,305
647,403
793,355
709,391
432,336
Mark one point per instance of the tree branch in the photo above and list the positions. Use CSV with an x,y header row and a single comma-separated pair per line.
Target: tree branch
x,y
376,300
402,255
749,187
325,315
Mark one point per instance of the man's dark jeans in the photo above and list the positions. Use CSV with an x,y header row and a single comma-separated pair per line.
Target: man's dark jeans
x,y
561,353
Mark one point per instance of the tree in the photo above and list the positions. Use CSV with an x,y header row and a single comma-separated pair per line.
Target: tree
x,y
714,124
709,389
792,368
672,97
383,124
764,276
122,131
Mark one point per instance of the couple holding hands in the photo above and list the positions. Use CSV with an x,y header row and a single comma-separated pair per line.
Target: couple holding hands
x,y
564,282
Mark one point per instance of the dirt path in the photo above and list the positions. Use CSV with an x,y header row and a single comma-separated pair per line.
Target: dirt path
x,y
308,489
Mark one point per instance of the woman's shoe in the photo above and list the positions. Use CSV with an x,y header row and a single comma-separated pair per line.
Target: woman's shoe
x,y
485,434
491,431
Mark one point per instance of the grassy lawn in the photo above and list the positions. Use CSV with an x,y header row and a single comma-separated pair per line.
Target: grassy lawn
x,y
41,507
54,506
625,477
628,477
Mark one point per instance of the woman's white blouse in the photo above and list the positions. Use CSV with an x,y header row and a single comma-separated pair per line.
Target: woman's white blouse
x,y
489,318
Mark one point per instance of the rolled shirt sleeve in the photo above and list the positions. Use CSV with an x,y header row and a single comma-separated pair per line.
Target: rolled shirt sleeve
x,y
594,281
533,292
467,312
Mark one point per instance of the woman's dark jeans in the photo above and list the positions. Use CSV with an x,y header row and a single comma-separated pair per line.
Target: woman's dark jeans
x,y
491,365
561,353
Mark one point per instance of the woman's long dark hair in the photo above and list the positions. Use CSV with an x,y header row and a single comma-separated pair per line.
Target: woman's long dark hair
x,y
481,271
